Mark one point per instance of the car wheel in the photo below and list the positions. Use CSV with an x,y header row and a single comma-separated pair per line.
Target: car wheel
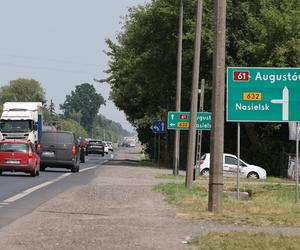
x,y
74,168
38,173
253,175
33,173
42,168
205,172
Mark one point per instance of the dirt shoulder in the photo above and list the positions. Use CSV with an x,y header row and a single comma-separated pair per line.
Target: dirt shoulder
x,y
117,210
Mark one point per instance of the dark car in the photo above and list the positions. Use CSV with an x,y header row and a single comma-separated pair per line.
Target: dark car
x,y
19,156
59,149
95,147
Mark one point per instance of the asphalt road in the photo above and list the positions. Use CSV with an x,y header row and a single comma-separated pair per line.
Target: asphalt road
x,y
20,193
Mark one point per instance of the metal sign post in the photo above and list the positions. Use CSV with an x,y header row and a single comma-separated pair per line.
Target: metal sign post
x,y
297,158
154,148
238,161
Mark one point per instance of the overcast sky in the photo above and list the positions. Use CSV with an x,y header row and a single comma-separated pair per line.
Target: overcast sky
x,y
60,43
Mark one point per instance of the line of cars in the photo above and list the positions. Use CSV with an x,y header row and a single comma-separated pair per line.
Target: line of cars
x,y
56,149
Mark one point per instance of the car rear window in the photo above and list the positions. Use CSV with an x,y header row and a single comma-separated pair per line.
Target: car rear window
x,y
11,147
57,138
95,142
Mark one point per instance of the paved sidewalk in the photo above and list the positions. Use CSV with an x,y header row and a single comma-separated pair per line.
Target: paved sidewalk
x,y
117,210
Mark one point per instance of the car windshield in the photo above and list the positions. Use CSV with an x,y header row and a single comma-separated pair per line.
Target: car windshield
x,y
11,147
16,126
95,142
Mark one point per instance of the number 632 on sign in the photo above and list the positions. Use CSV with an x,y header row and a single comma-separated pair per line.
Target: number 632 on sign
x,y
252,96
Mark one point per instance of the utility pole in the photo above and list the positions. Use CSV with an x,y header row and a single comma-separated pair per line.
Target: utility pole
x,y
178,91
215,197
199,132
194,100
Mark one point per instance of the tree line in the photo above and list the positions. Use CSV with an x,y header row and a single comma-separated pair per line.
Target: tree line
x,y
142,69
79,110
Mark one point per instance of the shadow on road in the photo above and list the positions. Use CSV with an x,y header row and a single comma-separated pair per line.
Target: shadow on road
x,y
123,162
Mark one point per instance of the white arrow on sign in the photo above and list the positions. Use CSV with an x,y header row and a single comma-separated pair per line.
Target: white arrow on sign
x,y
285,103
172,116
172,124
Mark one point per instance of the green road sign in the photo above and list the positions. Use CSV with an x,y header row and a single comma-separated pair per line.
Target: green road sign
x,y
181,120
263,94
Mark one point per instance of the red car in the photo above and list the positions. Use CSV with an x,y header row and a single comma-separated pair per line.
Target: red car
x,y
19,156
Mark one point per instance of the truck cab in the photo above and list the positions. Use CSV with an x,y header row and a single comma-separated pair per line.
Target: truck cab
x,y
21,120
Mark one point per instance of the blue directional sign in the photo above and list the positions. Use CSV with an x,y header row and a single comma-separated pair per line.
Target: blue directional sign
x,y
158,127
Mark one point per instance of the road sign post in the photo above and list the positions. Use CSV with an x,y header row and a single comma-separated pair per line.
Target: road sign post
x,y
263,94
158,127
181,120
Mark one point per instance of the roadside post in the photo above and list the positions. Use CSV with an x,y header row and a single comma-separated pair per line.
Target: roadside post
x,y
199,134
260,94
181,121
157,128
297,159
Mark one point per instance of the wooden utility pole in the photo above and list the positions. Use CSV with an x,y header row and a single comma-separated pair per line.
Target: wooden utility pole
x,y
194,100
199,132
178,91
215,197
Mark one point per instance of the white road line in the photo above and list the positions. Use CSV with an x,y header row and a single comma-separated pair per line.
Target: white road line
x,y
32,189
85,169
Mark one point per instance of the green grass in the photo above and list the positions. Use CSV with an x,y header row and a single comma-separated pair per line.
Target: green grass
x,y
245,241
170,176
270,204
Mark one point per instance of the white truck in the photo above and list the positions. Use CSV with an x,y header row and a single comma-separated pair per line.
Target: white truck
x,y
21,120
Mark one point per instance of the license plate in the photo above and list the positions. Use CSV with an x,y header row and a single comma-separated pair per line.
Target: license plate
x,y
48,154
12,162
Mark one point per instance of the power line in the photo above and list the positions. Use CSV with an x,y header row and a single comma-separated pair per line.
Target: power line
x,y
48,59
13,65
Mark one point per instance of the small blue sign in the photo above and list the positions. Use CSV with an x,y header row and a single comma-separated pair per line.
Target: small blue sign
x,y
158,127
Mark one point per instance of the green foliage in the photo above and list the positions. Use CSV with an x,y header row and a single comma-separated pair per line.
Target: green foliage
x,y
108,130
83,105
22,90
71,125
142,68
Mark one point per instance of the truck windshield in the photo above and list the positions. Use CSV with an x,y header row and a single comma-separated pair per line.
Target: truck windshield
x,y
15,126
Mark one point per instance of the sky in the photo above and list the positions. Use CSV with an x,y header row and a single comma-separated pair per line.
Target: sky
x,y
61,44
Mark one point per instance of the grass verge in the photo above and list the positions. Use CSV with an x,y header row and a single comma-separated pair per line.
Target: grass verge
x,y
270,204
170,176
245,241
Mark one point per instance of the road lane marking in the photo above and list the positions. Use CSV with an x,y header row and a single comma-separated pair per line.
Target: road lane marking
x,y
85,169
35,188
